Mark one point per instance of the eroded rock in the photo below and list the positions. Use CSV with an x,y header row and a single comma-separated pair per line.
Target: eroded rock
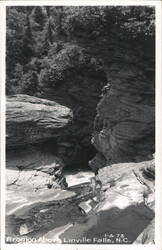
x,y
30,119
122,213
124,126
126,182
34,210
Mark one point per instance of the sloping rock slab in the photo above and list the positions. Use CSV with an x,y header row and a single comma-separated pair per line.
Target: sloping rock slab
x,y
28,210
33,210
31,119
124,211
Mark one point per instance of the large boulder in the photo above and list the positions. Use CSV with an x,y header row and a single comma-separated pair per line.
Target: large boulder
x,y
132,182
30,119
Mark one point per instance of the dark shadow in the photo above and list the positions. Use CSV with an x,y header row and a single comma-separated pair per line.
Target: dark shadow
x,y
130,222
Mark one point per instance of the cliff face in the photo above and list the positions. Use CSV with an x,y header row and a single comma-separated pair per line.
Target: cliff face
x,y
124,125
124,132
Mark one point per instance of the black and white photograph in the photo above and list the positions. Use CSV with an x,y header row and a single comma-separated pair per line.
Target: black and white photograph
x,y
80,104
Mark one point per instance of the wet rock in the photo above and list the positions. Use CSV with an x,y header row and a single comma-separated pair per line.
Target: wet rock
x,y
31,119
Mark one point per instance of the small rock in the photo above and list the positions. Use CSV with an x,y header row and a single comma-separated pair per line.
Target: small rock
x,y
24,229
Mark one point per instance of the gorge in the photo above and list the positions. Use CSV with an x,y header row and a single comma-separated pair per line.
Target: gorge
x,y
80,125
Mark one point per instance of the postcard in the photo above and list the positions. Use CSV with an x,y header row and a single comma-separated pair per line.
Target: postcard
x,y
81,124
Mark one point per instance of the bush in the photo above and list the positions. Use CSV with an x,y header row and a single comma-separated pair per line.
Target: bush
x,y
29,83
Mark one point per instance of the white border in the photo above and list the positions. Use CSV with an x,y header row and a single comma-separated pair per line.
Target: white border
x,y
81,2
158,203
2,116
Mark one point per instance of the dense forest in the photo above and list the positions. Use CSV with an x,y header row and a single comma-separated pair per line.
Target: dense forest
x,y
48,45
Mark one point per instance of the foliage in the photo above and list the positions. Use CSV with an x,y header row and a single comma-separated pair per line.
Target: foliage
x,y
55,68
27,46
29,82
44,44
39,16
16,23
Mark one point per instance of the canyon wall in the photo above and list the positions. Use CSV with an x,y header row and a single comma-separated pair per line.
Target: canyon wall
x,y
125,122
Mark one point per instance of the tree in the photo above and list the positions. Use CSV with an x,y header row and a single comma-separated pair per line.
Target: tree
x,y
48,39
48,11
28,43
29,83
39,16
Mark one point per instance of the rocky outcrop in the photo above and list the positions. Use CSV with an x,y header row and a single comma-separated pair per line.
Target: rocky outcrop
x,y
101,209
33,168
125,122
125,207
30,119
124,138
130,182
34,210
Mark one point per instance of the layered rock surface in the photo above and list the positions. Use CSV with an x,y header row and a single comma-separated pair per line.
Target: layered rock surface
x,y
31,119
125,207
101,210
33,210
125,122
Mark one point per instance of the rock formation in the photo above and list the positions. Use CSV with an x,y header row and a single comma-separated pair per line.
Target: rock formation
x,y
125,122
31,119
124,132
125,209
